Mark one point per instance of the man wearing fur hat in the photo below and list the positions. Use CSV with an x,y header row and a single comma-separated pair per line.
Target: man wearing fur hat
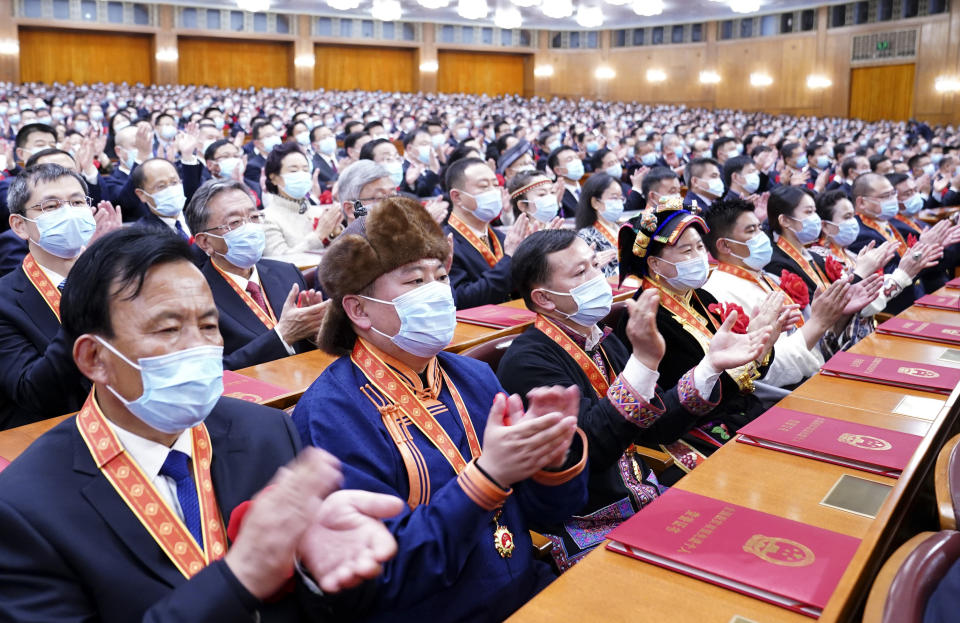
x,y
435,429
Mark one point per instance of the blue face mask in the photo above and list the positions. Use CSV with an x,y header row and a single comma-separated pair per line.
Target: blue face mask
x,y
169,201
546,208
81,126
751,182
65,231
848,231
270,142
592,147
649,159
801,162
612,209
227,167
428,318
810,229
889,208
130,160
593,298
327,146
180,389
614,171
913,205
823,162
715,186
574,170
395,168
423,154
245,245
760,251
297,184
554,144
691,274
936,158
489,205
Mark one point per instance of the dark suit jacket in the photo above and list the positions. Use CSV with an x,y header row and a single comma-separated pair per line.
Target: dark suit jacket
x,y
327,175
73,551
151,220
255,164
427,185
935,277
475,282
634,201
568,206
4,187
246,340
38,379
690,197
906,298
12,251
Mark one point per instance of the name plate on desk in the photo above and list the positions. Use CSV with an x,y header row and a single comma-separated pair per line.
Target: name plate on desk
x,y
920,408
948,302
930,331
850,444
780,561
912,375
857,495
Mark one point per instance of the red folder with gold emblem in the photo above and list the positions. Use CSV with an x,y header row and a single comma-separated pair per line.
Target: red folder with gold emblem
x,y
949,302
252,390
953,283
931,331
867,448
781,561
924,377
496,316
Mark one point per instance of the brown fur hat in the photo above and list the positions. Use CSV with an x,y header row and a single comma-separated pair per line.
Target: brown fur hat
x,y
395,232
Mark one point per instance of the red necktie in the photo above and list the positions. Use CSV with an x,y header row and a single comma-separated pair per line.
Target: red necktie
x,y
257,295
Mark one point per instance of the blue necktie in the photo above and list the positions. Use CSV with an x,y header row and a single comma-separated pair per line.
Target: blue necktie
x,y
177,466
180,231
62,285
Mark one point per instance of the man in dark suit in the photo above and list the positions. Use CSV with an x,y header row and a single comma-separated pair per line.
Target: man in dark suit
x,y
133,145
266,310
225,161
103,517
704,182
324,145
159,187
566,165
480,273
263,138
31,138
38,379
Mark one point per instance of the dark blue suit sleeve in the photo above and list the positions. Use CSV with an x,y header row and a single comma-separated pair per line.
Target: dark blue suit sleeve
x,y
492,286
265,347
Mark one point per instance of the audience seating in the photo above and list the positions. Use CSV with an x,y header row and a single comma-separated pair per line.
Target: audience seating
x,y
947,484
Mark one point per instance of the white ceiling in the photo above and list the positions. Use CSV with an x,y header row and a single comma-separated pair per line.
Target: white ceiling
x,y
674,11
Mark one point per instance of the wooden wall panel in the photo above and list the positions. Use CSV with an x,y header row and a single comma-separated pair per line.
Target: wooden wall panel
x,y
479,72
884,92
235,63
54,54
345,68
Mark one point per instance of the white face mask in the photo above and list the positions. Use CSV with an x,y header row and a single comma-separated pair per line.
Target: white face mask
x,y
428,318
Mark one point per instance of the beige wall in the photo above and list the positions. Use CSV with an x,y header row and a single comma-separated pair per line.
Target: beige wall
x,y
789,59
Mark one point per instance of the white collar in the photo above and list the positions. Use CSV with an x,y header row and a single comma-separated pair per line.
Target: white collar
x,y
243,281
150,455
172,221
55,278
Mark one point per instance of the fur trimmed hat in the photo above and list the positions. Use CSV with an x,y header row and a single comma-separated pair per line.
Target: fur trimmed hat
x,y
395,232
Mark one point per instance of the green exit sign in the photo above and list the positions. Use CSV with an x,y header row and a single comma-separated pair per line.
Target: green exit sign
x,y
883,45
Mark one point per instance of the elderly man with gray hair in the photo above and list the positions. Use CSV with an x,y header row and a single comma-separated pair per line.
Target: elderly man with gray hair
x,y
266,311
366,183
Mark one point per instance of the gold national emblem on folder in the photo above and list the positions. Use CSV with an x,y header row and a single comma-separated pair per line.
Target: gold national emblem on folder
x,y
864,441
951,332
244,396
779,551
918,372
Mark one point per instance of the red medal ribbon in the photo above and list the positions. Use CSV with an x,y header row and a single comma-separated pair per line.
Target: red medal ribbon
x,y
765,283
266,317
807,266
887,231
599,383
47,289
493,256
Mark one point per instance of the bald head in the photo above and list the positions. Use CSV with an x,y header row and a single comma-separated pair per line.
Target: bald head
x,y
870,185
126,137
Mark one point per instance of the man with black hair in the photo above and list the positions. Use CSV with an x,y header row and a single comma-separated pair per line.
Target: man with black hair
x,y
263,138
741,177
567,166
420,155
352,144
324,145
704,182
658,183
121,512
31,138
850,169
724,148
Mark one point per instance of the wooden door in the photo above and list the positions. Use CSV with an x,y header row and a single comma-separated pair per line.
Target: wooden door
x,y
884,92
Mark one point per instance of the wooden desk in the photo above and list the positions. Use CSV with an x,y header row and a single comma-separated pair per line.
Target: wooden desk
x,y
15,440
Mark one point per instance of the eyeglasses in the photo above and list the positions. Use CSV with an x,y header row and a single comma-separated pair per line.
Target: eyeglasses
x,y
375,200
49,205
236,223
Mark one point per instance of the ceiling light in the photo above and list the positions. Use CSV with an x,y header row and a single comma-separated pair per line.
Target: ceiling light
x,y
434,4
947,84
760,80
543,71
656,75
604,73
818,82
9,47
386,10
618,2
472,9
557,9
343,5
507,18
589,17
167,55
709,77
648,8
304,60
525,3
429,67
253,6
745,6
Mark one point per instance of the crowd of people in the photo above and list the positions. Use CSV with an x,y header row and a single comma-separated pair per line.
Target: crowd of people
x,y
151,239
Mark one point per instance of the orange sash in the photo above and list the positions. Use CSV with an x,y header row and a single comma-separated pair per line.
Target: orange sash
x,y
266,317
47,289
765,283
809,267
493,256
888,231
908,223
687,316
602,228
392,387
586,363
136,490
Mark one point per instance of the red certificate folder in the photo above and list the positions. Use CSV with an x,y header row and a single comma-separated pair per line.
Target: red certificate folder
x,y
931,331
496,316
858,446
953,283
781,561
924,377
949,302
245,388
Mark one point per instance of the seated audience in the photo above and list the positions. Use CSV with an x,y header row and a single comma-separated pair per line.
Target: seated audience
x,y
600,208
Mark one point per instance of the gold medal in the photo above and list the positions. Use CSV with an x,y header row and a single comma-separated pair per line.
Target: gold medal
x,y
502,537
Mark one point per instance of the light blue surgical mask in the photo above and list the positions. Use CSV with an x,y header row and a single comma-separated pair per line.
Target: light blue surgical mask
x,y
546,208
428,318
760,251
228,166
129,160
395,169
801,161
81,126
437,139
180,389
489,205
554,144
65,231
715,186
649,159
929,168
168,132
614,171
593,298
462,133
823,162
847,232
327,146
592,147
810,229
889,208
691,274
303,138
679,151
936,158
751,182
297,184
612,209
169,201
270,142
574,170
423,154
245,245
913,205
